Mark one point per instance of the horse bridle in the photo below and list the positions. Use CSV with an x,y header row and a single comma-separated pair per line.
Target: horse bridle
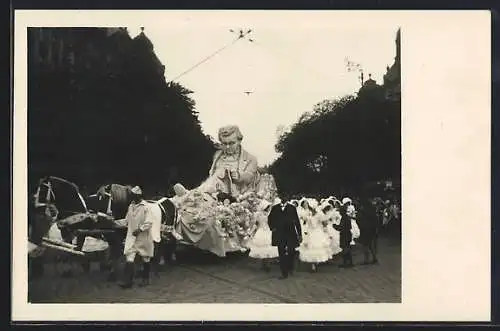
x,y
50,193
100,193
50,196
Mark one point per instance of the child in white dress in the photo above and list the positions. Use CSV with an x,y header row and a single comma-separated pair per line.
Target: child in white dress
x,y
304,213
315,247
331,216
260,245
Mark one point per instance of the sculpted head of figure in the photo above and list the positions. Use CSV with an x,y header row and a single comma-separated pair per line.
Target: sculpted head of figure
x,y
230,138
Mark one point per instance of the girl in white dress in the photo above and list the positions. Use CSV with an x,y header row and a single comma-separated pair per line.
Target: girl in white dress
x,y
304,212
315,247
330,215
260,245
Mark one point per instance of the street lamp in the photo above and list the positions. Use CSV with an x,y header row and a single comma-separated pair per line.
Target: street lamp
x,y
355,67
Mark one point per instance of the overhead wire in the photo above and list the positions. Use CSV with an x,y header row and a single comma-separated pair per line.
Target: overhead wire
x,y
241,36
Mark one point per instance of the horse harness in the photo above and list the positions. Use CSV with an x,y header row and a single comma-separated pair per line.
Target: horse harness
x,y
50,196
164,214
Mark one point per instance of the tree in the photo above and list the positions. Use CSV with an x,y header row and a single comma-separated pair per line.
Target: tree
x,y
340,146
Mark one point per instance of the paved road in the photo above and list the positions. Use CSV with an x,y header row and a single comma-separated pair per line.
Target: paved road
x,y
234,280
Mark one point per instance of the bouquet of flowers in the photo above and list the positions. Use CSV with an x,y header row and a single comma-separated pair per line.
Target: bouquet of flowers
x,y
198,207
234,222
224,220
243,218
250,201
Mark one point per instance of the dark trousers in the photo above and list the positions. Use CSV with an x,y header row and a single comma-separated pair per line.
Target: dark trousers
x,y
347,256
370,248
286,257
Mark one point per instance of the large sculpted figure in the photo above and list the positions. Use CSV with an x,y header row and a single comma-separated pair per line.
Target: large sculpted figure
x,y
234,170
208,213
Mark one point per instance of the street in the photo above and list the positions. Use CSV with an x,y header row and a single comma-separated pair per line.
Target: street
x,y
202,278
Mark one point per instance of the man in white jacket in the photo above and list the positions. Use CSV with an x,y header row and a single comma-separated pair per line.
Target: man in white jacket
x,y
139,239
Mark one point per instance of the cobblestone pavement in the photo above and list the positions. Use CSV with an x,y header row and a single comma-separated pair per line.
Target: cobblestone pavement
x,y
202,278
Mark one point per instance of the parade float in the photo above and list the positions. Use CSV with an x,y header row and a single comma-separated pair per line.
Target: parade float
x,y
219,215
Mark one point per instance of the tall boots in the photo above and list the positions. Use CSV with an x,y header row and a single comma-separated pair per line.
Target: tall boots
x,y
146,272
113,272
128,275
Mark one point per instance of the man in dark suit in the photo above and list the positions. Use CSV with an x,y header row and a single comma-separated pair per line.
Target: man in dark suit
x,y
284,223
369,225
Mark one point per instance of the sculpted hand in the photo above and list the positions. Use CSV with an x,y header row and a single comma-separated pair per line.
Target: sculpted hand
x,y
220,173
235,174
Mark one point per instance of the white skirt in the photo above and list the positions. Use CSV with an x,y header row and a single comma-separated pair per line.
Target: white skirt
x,y
316,247
334,237
260,245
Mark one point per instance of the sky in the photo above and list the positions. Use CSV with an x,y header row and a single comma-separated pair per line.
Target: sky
x,y
289,68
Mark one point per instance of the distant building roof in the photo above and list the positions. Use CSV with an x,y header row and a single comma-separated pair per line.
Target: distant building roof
x,y
141,37
370,81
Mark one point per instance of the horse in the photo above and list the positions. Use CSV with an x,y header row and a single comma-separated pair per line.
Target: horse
x,y
56,201
114,199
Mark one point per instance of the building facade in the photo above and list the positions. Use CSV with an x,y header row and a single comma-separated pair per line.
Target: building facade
x,y
392,78
391,87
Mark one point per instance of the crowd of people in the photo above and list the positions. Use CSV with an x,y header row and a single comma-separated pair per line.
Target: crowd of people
x,y
312,230
316,231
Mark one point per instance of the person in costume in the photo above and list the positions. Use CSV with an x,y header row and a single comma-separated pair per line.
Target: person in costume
x,y
304,214
331,215
316,245
139,239
260,245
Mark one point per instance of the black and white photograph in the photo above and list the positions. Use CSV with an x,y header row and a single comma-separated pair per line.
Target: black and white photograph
x,y
186,159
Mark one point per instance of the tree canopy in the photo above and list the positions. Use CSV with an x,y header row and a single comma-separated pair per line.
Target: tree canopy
x,y
340,146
